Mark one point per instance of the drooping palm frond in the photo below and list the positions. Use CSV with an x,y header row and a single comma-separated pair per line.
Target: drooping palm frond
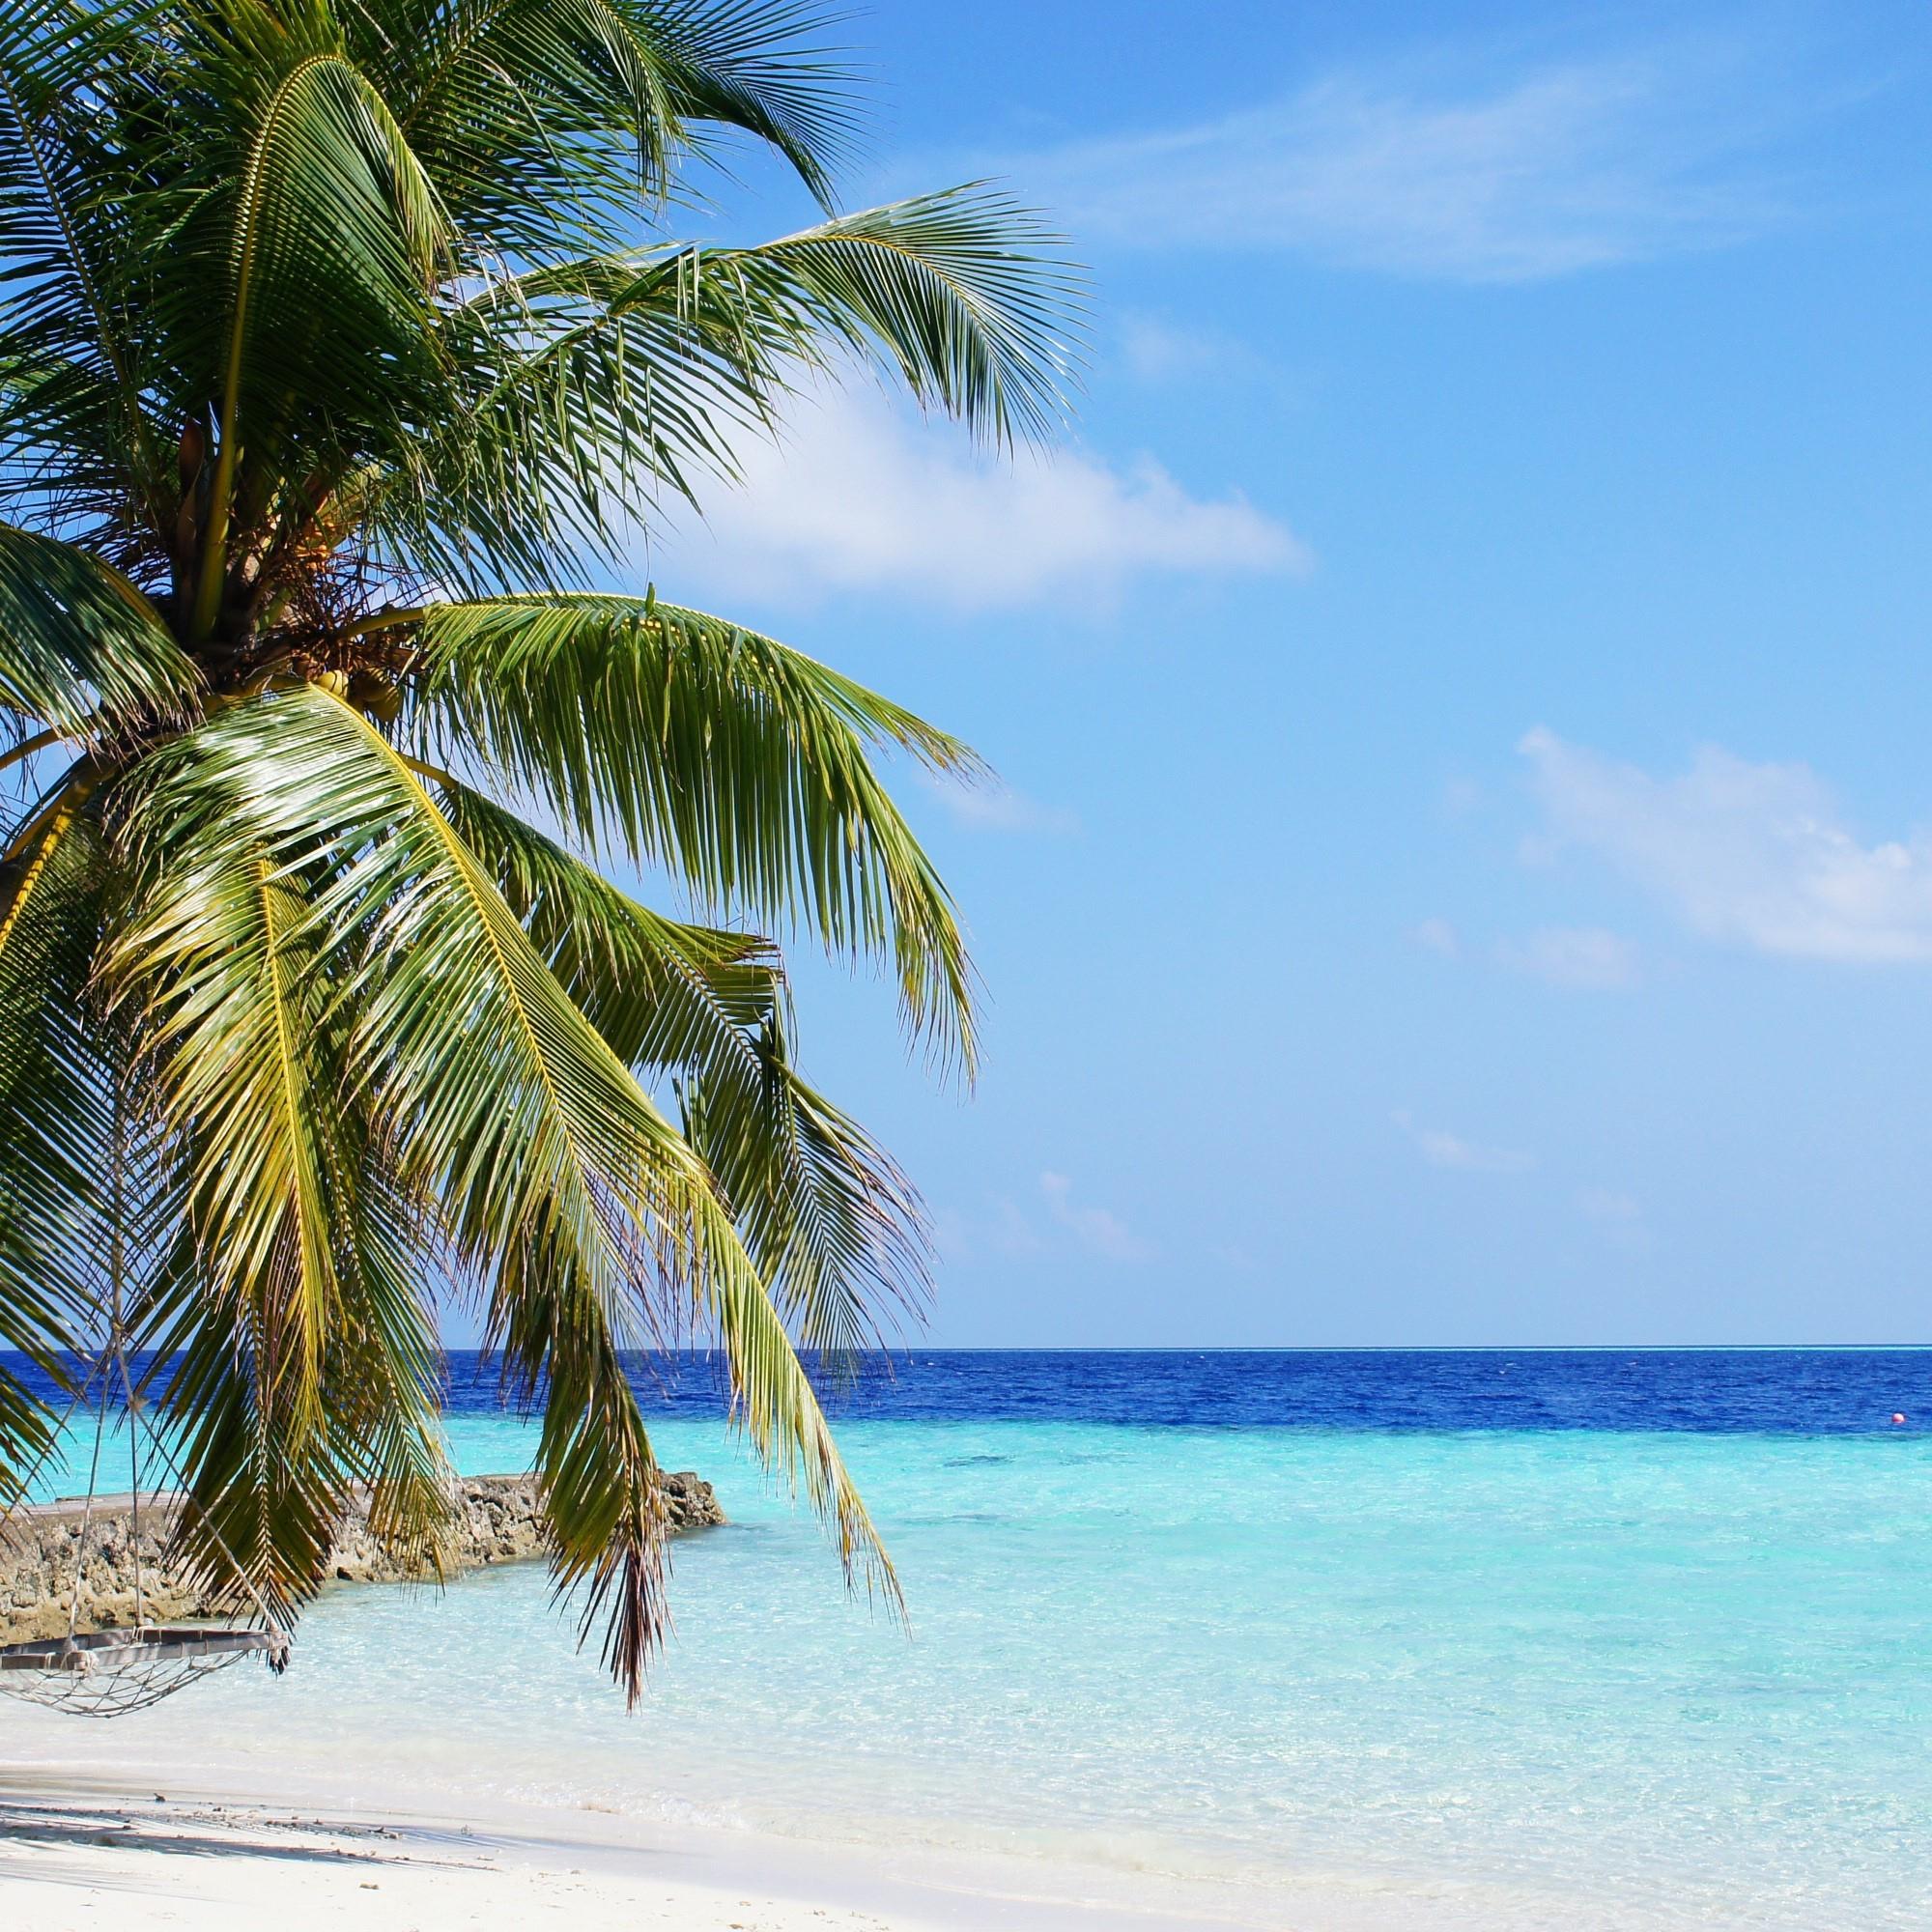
x,y
219,958
264,1495
267,1484
559,1180
387,1408
760,67
735,762
836,1228
664,994
297,1298
602,1493
267,1489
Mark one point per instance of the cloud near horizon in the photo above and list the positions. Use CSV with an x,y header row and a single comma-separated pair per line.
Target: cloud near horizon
x,y
1617,1216
1755,855
1097,1230
1009,1231
1455,166
861,495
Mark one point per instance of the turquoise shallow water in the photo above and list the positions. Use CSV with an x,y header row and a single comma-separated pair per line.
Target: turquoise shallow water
x,y
1624,1677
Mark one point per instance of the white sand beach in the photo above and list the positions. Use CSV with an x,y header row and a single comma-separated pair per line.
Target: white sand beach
x,y
74,1857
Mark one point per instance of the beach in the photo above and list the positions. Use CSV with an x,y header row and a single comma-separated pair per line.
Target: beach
x,y
74,1860
74,1857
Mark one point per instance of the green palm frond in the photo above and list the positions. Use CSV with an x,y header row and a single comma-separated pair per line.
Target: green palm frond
x,y
963,294
218,963
664,994
73,375
559,1179
264,1496
836,1228
605,380
54,1115
302,1244
81,649
602,1489
335,237
542,115
386,1403
757,67
267,1484
588,398
737,763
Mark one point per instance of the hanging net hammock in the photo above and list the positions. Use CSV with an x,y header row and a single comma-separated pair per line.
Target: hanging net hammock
x,y
105,1673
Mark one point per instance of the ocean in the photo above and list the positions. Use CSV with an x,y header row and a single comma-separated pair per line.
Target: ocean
x,y
1619,1639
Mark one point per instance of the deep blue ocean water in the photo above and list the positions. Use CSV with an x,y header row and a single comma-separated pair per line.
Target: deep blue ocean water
x,y
1704,1392
1694,1391
1481,1639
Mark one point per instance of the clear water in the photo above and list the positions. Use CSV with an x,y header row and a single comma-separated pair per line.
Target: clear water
x,y
1590,1639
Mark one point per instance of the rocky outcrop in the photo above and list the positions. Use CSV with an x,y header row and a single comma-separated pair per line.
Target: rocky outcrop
x,y
496,1522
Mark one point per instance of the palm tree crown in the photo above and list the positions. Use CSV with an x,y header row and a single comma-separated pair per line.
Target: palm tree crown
x,y
341,348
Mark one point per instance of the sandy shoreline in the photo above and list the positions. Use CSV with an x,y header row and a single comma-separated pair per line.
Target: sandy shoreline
x,y
77,1860
78,1854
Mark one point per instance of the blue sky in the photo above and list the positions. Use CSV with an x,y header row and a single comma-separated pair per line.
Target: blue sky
x,y
1462,687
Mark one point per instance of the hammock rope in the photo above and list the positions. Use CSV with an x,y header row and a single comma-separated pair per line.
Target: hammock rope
x,y
111,1672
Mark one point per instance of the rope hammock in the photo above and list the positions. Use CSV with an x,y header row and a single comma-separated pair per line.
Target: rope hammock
x,y
106,1673
109,1673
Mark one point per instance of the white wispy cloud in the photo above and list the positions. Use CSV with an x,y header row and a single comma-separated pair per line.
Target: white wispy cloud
x,y
1450,1151
998,808
1097,1230
1617,1217
1462,163
1158,350
860,494
1003,1230
1758,855
1437,936
1609,1206
1587,957
1006,1229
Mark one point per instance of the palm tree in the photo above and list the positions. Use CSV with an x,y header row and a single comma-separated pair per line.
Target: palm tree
x,y
343,353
